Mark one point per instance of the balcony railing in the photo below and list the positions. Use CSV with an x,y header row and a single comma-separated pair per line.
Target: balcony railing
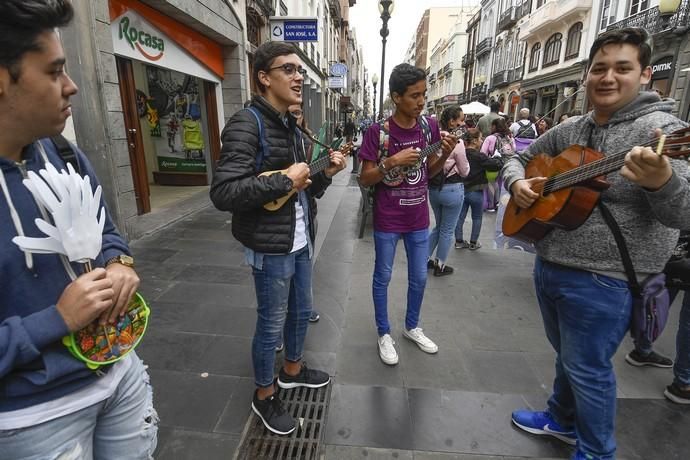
x,y
551,13
484,46
462,98
507,19
654,22
524,9
463,62
500,78
447,68
467,60
515,74
478,91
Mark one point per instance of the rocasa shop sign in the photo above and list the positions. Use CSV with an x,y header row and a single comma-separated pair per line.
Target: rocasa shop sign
x,y
150,46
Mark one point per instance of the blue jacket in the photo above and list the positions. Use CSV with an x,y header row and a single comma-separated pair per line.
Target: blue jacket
x,y
34,364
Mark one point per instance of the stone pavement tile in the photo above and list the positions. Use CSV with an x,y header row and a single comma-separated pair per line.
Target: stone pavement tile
x,y
173,350
210,293
198,233
501,372
223,258
543,365
473,423
359,329
216,274
153,254
444,456
371,416
324,335
321,360
358,453
361,365
220,320
152,289
169,315
228,356
152,270
447,369
237,409
640,382
175,444
189,401
653,430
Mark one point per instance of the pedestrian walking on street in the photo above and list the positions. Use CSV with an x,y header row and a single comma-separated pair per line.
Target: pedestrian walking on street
x,y
580,281
51,404
279,244
446,194
400,200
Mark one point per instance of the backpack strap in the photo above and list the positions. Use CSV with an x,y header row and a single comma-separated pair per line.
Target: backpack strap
x,y
66,152
384,138
263,146
426,130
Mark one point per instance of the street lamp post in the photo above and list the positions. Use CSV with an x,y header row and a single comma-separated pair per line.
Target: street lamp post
x,y
386,9
374,82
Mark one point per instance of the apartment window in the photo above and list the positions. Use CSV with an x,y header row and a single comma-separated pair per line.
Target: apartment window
x,y
608,13
572,48
534,57
638,5
540,3
552,50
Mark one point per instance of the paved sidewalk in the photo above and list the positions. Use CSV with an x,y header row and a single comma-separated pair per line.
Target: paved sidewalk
x,y
493,355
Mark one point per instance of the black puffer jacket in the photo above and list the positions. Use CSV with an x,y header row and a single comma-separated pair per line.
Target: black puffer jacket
x,y
237,187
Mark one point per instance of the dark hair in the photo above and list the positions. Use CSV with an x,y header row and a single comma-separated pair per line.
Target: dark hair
x,y
499,125
472,134
494,106
264,56
564,114
404,76
449,113
21,22
630,35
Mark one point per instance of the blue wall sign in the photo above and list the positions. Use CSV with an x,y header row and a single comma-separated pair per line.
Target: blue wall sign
x,y
294,29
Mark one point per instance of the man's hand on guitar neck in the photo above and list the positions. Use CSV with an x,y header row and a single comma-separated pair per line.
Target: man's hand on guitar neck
x,y
524,193
338,163
299,175
647,169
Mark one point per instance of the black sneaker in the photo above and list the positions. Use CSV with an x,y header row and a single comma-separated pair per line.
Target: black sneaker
x,y
677,394
273,414
635,358
314,317
310,378
442,270
430,264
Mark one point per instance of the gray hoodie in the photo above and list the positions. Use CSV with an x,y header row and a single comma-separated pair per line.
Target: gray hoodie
x,y
648,220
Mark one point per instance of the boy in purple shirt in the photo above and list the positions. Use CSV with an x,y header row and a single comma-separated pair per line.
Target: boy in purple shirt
x,y
402,211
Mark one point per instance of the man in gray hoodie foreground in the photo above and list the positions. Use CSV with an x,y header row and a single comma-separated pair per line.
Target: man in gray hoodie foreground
x,y
579,278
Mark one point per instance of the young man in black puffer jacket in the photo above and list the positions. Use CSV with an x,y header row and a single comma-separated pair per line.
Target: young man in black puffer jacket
x,y
279,244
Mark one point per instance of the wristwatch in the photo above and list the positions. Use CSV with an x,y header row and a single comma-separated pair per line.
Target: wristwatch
x,y
122,259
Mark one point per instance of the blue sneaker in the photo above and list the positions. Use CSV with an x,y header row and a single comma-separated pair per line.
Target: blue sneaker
x,y
543,424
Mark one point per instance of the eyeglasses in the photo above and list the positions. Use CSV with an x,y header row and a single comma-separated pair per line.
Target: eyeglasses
x,y
297,113
290,69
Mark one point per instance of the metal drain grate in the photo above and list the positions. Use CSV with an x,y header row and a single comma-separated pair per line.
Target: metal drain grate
x,y
309,407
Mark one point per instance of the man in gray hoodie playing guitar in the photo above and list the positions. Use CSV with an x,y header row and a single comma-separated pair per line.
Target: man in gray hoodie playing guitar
x,y
580,281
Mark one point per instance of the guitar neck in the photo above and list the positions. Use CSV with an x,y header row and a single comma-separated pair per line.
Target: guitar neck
x,y
319,164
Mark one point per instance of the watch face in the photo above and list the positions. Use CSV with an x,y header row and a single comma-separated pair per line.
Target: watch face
x,y
126,260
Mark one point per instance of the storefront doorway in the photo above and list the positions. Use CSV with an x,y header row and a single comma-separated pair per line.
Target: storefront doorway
x,y
169,100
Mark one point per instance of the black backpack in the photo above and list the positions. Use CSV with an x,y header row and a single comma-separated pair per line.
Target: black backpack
x,y
527,131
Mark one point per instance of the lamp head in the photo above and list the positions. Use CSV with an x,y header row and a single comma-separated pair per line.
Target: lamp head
x,y
375,79
668,7
386,5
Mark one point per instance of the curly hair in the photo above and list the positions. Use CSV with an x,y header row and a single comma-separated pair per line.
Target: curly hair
x,y
449,113
21,22
404,76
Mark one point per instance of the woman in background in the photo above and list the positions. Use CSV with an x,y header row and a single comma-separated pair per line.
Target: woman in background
x,y
446,195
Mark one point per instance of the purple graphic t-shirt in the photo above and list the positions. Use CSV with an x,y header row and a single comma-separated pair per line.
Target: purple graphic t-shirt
x,y
403,208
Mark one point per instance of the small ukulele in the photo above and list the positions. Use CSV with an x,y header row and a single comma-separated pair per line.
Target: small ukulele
x,y
397,174
576,178
315,167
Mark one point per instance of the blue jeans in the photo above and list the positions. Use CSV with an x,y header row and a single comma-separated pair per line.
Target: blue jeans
x,y
474,200
446,204
416,248
681,367
122,426
586,316
284,298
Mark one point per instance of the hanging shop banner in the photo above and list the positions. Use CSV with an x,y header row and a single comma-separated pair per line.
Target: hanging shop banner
x,y
142,33
294,29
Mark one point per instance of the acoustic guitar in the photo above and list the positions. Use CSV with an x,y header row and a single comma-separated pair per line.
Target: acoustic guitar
x,y
315,167
576,178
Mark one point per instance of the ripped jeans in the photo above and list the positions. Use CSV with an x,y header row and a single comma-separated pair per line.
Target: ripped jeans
x,y
122,426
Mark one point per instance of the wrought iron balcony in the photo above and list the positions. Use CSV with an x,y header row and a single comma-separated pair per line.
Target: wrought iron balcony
x,y
515,74
507,19
463,62
500,78
462,98
484,46
478,91
446,68
654,22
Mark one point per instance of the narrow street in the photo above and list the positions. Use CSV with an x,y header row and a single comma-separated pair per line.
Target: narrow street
x,y
493,356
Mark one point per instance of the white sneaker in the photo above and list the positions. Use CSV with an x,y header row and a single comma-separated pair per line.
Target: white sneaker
x,y
422,341
387,351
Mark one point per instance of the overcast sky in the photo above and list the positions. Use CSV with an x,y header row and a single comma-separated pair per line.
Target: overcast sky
x,y
365,19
